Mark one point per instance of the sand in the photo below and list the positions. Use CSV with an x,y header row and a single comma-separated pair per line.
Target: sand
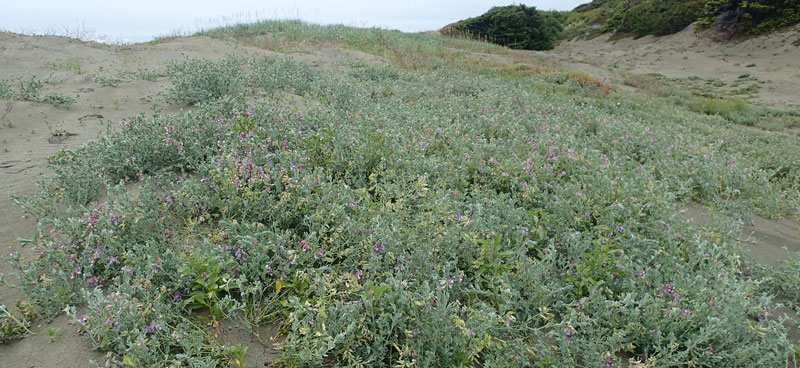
x,y
772,61
30,132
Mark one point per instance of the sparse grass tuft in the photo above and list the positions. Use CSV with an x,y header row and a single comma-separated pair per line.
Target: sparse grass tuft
x,y
408,50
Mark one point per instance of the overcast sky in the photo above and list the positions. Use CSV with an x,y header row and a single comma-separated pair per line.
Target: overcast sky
x,y
141,20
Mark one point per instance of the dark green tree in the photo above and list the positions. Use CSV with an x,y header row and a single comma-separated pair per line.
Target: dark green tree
x,y
515,26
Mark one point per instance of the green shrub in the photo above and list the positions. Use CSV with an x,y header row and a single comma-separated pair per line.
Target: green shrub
x,y
751,17
662,17
659,17
637,18
515,26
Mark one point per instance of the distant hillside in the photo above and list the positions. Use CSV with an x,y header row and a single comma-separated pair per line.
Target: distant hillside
x,y
661,17
632,17
522,27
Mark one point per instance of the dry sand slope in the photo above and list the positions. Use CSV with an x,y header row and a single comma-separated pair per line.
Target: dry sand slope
x,y
30,131
773,61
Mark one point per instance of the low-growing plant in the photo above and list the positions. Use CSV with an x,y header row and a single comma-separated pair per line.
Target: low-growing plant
x,y
51,333
59,99
200,80
107,81
144,327
29,90
785,279
208,281
446,217
272,74
149,75
16,325
6,90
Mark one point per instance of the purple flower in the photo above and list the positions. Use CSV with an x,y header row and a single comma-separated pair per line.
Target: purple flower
x,y
92,281
113,218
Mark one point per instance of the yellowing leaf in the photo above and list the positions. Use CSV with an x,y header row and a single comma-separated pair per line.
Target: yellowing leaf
x,y
278,286
128,361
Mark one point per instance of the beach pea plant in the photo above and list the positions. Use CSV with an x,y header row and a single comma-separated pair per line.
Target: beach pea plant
x,y
208,282
429,217
16,324
198,80
144,326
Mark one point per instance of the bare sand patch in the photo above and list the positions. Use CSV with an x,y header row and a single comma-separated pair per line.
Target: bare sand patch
x,y
764,238
771,62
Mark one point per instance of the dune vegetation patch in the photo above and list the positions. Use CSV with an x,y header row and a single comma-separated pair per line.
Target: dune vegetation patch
x,y
427,212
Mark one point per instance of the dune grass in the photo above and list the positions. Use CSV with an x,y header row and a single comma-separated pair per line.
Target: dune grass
x,y
408,50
